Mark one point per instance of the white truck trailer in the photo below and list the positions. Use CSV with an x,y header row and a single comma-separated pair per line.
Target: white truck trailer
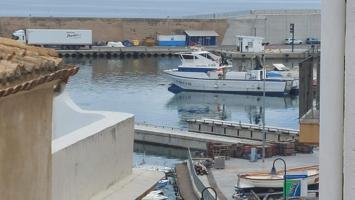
x,y
55,38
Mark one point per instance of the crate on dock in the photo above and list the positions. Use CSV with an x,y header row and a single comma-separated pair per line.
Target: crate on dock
x,y
219,149
286,148
304,148
275,149
268,151
237,151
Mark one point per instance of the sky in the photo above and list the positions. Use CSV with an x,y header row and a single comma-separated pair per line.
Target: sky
x,y
142,8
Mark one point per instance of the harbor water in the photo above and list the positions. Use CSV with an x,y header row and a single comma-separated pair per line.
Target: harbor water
x,y
138,86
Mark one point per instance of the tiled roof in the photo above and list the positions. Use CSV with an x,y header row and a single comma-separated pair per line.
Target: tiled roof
x,y
23,67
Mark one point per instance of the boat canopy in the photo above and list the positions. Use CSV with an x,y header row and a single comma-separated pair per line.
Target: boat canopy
x,y
281,67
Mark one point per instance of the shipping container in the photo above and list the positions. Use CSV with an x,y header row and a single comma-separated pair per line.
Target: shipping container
x,y
56,38
171,40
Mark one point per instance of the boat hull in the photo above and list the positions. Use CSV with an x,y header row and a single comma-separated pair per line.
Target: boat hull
x,y
254,87
276,183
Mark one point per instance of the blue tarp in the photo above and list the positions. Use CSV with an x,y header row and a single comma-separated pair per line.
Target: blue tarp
x,y
273,74
171,43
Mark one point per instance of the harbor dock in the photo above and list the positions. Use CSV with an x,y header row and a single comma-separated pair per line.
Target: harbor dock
x,y
226,178
182,138
155,51
242,130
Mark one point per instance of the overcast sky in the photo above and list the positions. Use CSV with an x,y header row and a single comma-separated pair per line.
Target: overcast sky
x,y
142,8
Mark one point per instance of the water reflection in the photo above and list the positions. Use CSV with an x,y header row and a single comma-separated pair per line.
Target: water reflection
x,y
244,108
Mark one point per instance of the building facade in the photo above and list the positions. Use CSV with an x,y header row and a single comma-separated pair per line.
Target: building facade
x,y
201,37
29,79
249,44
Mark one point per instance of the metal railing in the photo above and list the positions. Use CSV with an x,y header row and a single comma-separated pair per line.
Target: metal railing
x,y
197,181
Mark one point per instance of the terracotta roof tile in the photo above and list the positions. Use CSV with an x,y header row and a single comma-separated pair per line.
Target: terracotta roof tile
x,y
20,63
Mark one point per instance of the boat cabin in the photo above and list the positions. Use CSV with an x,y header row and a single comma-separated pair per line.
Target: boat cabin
x,y
199,61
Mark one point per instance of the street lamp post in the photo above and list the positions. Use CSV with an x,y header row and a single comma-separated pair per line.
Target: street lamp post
x,y
273,172
206,188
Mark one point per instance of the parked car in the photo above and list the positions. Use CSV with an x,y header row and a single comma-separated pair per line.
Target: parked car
x,y
295,41
313,41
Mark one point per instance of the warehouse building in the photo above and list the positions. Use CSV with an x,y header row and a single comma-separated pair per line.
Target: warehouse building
x,y
201,37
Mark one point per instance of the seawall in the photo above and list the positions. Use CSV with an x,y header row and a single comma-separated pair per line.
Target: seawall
x,y
273,25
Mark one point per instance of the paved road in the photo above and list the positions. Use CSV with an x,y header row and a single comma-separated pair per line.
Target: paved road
x,y
184,182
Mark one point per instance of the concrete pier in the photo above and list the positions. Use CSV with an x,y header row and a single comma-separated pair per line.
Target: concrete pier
x,y
131,187
181,138
242,130
143,51
226,178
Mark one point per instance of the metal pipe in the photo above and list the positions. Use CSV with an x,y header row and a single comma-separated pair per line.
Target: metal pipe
x,y
273,172
206,188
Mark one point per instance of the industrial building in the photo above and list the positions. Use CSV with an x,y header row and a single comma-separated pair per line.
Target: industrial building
x,y
201,37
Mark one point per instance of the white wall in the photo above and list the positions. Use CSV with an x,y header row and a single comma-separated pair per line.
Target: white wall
x,y
349,111
274,27
90,158
332,100
257,44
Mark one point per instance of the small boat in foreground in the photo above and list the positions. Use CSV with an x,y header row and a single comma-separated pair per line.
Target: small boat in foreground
x,y
266,180
155,195
204,71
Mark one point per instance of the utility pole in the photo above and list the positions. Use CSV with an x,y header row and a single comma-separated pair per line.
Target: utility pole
x,y
263,116
292,31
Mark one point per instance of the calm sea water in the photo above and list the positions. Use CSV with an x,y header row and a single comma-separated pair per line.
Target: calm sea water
x,y
138,86
142,8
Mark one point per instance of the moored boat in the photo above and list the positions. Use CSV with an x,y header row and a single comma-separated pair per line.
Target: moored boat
x,y
204,71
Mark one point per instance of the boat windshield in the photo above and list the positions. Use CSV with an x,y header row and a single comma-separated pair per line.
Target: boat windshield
x,y
210,56
188,57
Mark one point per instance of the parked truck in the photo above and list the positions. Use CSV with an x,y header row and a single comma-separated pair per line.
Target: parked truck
x,y
55,38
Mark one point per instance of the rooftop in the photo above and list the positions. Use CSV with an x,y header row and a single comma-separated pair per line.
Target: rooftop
x,y
195,33
23,67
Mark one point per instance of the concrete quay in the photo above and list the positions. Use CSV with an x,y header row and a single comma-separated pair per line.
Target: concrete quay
x,y
155,51
242,130
131,187
226,178
182,138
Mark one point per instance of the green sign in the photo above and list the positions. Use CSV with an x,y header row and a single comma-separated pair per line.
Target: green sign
x,y
293,188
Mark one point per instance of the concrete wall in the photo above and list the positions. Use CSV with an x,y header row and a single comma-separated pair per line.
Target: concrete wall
x,y
271,25
25,144
349,110
274,27
93,155
105,29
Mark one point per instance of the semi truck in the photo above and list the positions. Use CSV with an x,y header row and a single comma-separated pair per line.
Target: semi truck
x,y
55,38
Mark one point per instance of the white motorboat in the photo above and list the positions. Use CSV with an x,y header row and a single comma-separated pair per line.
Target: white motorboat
x,y
266,180
280,70
204,71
